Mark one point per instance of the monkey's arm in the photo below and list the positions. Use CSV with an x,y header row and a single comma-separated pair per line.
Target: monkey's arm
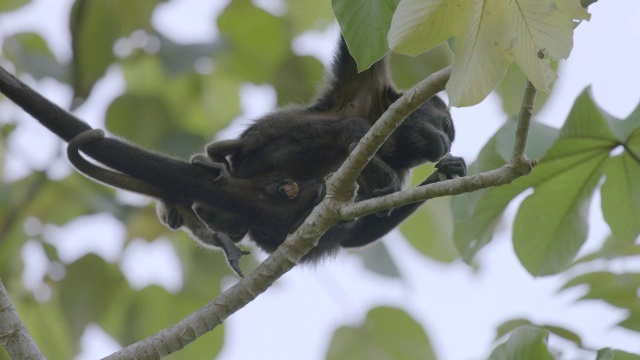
x,y
371,227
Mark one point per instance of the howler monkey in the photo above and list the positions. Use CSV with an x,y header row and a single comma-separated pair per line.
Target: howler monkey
x,y
308,143
342,113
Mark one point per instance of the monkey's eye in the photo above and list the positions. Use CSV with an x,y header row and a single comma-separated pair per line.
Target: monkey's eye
x,y
446,125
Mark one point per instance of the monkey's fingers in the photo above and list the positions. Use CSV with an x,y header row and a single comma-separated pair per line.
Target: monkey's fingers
x,y
219,170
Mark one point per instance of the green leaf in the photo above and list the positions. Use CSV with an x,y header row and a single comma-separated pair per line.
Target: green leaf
x,y
95,26
203,103
511,325
430,229
620,290
621,196
408,71
551,224
489,36
378,260
271,47
420,25
88,291
612,248
387,333
364,25
611,354
30,53
526,342
306,15
510,91
477,214
143,119
49,327
8,5
140,314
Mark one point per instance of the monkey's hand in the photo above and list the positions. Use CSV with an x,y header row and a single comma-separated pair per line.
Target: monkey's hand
x,y
449,167
219,170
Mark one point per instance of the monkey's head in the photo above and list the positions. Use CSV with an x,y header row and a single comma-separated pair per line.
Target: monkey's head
x,y
425,135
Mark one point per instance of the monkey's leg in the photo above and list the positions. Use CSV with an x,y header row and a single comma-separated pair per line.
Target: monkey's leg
x,y
208,216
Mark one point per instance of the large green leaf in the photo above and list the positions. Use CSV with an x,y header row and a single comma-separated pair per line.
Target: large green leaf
x,y
88,291
551,224
489,36
525,343
387,333
364,25
477,214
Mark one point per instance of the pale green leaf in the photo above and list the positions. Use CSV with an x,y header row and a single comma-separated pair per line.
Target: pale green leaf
x,y
540,28
387,333
420,25
364,25
551,224
378,260
481,56
611,354
621,196
525,343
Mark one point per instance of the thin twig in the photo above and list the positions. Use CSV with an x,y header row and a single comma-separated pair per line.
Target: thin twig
x,y
524,121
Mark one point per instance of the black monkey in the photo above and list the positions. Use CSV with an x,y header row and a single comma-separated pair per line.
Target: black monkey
x,y
346,107
307,143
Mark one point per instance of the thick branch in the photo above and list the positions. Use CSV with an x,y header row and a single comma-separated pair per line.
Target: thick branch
x,y
14,336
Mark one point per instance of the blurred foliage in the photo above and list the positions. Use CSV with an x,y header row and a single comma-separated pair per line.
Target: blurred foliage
x,y
177,96
387,333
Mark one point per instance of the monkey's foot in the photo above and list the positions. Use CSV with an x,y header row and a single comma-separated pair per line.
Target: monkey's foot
x,y
219,170
171,217
231,251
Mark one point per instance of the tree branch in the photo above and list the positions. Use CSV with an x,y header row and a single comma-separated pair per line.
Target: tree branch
x,y
14,336
346,176
524,121
325,215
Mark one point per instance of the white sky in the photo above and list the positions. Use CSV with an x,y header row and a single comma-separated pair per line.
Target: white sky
x,y
459,309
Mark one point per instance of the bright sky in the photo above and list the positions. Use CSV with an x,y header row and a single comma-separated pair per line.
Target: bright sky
x,y
296,318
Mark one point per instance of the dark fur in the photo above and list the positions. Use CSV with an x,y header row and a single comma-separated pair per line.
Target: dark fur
x,y
308,143
277,147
